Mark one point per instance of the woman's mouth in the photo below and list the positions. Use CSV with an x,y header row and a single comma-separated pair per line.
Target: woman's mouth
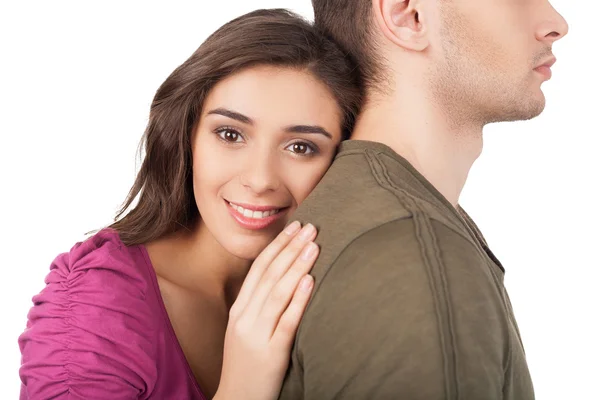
x,y
254,214
254,217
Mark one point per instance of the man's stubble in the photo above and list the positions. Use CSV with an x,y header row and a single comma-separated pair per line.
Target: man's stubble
x,y
478,81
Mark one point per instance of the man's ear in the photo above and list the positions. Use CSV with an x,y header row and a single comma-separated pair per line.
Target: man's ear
x,y
401,22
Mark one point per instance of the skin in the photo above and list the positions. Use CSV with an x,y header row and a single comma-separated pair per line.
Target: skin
x,y
488,67
452,67
256,159
255,162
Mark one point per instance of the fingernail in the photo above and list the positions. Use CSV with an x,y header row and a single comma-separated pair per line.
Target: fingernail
x,y
307,232
308,251
292,228
306,283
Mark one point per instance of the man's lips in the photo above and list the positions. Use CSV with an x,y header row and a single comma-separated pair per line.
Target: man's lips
x,y
548,63
544,68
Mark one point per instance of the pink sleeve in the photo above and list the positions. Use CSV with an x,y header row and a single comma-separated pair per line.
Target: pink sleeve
x,y
88,335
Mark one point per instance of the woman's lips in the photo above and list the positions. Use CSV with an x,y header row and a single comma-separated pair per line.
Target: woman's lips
x,y
254,217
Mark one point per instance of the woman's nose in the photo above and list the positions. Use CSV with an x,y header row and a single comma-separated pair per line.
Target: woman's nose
x,y
260,175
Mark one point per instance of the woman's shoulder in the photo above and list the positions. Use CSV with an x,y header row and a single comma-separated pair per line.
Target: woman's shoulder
x,y
106,255
107,278
97,316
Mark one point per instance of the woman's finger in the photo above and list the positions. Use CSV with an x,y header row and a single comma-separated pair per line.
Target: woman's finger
x,y
281,295
262,262
285,332
276,270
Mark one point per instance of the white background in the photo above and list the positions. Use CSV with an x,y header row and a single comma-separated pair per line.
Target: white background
x,y
76,82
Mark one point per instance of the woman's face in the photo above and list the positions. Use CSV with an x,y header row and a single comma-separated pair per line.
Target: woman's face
x,y
265,138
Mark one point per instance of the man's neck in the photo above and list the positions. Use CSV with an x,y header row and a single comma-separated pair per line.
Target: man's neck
x,y
439,147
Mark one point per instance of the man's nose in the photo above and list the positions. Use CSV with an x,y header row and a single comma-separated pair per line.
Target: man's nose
x,y
553,27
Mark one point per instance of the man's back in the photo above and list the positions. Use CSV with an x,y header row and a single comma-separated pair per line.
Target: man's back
x,y
409,302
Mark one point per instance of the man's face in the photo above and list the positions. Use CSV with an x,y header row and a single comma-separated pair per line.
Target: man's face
x,y
488,67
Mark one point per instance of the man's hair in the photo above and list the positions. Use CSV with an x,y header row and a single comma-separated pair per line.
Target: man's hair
x,y
349,23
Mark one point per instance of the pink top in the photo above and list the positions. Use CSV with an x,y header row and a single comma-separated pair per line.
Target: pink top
x,y
100,330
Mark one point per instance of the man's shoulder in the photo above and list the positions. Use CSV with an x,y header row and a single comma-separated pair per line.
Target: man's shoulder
x,y
354,204
394,244
345,206
349,198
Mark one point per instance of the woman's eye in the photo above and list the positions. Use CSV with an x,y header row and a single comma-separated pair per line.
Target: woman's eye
x,y
230,135
301,149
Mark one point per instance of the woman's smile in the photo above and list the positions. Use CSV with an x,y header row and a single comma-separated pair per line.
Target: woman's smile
x,y
255,217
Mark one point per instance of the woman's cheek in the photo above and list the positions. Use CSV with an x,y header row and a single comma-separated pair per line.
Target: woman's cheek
x,y
214,161
301,180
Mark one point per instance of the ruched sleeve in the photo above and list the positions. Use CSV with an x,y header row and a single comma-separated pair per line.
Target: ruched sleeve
x,y
88,333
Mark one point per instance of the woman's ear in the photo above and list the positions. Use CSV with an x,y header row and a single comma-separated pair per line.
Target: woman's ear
x,y
401,22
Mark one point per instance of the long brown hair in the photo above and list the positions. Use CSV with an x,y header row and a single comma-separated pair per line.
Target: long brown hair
x,y
265,37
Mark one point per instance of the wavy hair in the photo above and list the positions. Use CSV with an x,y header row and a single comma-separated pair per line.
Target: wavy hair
x,y
276,37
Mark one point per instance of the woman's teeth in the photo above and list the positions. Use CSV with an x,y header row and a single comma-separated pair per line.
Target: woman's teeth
x,y
253,214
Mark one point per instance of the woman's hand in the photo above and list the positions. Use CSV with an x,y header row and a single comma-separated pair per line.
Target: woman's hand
x,y
265,316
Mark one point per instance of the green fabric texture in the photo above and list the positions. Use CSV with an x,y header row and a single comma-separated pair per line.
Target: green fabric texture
x,y
409,302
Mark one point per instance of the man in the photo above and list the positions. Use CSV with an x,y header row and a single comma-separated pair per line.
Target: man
x,y
409,301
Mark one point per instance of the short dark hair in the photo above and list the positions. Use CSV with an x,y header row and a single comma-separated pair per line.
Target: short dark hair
x,y
350,24
264,37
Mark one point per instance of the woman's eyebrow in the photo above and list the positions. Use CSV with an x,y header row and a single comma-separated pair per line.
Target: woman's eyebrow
x,y
308,129
232,114
290,129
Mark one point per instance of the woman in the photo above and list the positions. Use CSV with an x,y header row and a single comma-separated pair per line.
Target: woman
x,y
153,307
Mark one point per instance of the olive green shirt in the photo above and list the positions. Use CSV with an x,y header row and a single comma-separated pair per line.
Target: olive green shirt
x,y
409,302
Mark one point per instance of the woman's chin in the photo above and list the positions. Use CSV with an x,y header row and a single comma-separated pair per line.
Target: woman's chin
x,y
247,247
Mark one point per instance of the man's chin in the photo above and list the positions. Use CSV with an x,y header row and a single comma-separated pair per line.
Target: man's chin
x,y
533,105
523,110
533,109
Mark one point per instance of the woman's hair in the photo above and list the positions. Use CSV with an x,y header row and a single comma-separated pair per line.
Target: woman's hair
x,y
264,37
